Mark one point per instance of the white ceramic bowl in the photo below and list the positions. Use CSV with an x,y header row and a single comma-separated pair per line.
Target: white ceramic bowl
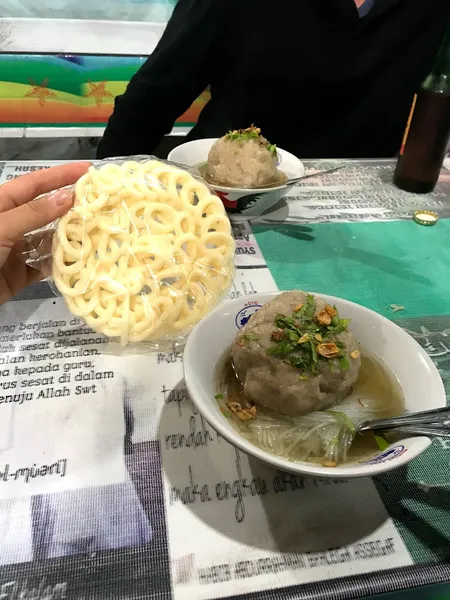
x,y
244,202
420,380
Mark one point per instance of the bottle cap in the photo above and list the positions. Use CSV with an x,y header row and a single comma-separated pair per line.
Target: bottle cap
x,y
425,217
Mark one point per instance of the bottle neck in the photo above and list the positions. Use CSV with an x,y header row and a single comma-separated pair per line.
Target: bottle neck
x,y
439,78
441,64
438,83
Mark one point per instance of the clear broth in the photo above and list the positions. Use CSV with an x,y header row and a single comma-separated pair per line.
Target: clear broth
x,y
375,381
202,168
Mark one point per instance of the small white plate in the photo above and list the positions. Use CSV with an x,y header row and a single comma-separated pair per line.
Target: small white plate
x,y
245,202
419,379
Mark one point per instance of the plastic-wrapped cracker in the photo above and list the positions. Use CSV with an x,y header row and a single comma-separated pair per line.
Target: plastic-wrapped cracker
x,y
145,252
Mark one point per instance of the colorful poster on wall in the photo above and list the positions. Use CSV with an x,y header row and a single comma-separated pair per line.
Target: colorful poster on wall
x,y
66,90
109,10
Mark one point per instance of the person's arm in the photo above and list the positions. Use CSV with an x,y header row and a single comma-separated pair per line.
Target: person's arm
x,y
166,85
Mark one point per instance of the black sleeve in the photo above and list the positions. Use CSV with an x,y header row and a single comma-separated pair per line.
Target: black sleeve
x,y
166,85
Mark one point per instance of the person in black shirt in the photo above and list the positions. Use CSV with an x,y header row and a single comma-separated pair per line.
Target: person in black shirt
x,y
321,78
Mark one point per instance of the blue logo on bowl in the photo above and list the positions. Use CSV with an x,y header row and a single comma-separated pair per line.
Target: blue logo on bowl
x,y
388,454
279,159
245,313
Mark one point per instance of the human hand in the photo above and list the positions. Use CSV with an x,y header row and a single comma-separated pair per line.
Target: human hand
x,y
20,214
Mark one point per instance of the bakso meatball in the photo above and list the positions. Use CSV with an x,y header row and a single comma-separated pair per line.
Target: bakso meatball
x,y
243,158
296,355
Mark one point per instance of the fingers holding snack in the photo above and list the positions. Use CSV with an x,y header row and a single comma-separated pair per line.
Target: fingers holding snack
x,y
26,204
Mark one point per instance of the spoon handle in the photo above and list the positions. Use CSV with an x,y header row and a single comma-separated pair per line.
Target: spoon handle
x,y
429,431
318,174
437,415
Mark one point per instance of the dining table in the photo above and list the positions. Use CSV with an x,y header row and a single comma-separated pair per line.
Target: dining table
x,y
112,485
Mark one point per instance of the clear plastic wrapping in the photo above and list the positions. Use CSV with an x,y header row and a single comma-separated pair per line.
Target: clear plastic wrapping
x,y
145,252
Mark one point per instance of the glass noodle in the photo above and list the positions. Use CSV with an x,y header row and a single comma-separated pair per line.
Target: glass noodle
x,y
326,436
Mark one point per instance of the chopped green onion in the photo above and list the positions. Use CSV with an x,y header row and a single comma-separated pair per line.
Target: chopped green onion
x,y
344,363
293,336
381,442
313,352
343,417
299,338
334,366
280,350
251,337
297,361
310,307
341,326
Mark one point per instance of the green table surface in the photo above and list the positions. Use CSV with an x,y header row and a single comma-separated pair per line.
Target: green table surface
x,y
374,264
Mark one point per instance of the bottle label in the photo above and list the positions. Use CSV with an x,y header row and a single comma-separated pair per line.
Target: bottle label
x,y
408,125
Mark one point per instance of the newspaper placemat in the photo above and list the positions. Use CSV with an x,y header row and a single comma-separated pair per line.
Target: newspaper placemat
x,y
361,191
12,170
112,485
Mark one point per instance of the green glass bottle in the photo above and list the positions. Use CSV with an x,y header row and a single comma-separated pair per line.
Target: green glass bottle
x,y
427,130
